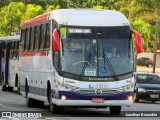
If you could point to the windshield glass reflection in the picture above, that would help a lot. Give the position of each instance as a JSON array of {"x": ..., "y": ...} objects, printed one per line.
[
  {"x": 98, "y": 55},
  {"x": 148, "y": 79}
]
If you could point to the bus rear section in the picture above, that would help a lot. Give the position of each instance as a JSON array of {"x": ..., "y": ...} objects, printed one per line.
[
  {"x": 9, "y": 49},
  {"x": 76, "y": 68}
]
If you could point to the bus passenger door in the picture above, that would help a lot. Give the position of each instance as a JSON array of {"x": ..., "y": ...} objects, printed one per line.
[{"x": 7, "y": 63}]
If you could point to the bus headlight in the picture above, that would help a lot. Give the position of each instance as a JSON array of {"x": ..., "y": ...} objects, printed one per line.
[
  {"x": 127, "y": 87},
  {"x": 130, "y": 98},
  {"x": 63, "y": 97}
]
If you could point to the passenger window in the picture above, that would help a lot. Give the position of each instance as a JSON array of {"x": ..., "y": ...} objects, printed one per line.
[
  {"x": 11, "y": 50},
  {"x": 47, "y": 40},
  {"x": 22, "y": 40},
  {"x": 27, "y": 40},
  {"x": 42, "y": 37},
  {"x": 32, "y": 38},
  {"x": 37, "y": 36}
]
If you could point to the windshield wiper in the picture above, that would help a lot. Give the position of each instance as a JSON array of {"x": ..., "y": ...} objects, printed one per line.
[
  {"x": 86, "y": 63},
  {"x": 106, "y": 61}
]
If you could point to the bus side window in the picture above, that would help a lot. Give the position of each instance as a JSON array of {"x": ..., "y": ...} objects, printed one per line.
[
  {"x": 15, "y": 54},
  {"x": 37, "y": 36},
  {"x": 11, "y": 49},
  {"x": 42, "y": 37},
  {"x": 47, "y": 40},
  {"x": 32, "y": 38},
  {"x": 22, "y": 40},
  {"x": 27, "y": 40},
  {"x": 14, "y": 50},
  {"x": 17, "y": 50},
  {"x": 4, "y": 50}
]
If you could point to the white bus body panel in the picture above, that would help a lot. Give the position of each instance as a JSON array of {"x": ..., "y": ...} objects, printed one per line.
[
  {"x": 37, "y": 70},
  {"x": 14, "y": 69},
  {"x": 89, "y": 17}
]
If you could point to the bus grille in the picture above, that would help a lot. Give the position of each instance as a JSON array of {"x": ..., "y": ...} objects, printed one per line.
[{"x": 104, "y": 91}]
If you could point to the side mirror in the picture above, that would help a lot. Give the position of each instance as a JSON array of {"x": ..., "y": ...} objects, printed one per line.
[
  {"x": 138, "y": 41},
  {"x": 55, "y": 40}
]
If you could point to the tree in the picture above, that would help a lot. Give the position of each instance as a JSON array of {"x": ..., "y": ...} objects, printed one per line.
[
  {"x": 146, "y": 31},
  {"x": 31, "y": 11},
  {"x": 10, "y": 17},
  {"x": 52, "y": 7}
]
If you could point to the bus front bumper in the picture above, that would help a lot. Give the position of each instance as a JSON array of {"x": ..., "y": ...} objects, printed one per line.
[{"x": 89, "y": 103}]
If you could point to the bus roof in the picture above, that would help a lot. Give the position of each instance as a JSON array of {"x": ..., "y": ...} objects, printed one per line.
[
  {"x": 10, "y": 38},
  {"x": 88, "y": 17},
  {"x": 81, "y": 17}
]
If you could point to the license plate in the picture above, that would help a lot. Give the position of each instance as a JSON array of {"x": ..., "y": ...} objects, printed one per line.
[
  {"x": 98, "y": 100},
  {"x": 154, "y": 96}
]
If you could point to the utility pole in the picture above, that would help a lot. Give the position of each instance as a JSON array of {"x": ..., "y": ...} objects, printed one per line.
[{"x": 156, "y": 39}]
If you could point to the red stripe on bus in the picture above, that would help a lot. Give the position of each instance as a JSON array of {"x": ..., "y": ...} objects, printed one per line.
[
  {"x": 27, "y": 54},
  {"x": 38, "y": 19}
]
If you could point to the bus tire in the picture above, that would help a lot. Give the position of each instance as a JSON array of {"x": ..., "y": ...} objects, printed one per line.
[
  {"x": 39, "y": 104},
  {"x": 115, "y": 110},
  {"x": 53, "y": 107},
  {"x": 30, "y": 102},
  {"x": 10, "y": 89},
  {"x": 135, "y": 98},
  {"x": 17, "y": 84},
  {"x": 19, "y": 92},
  {"x": 4, "y": 88}
]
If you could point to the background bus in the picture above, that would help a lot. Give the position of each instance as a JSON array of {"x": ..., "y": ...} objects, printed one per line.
[
  {"x": 9, "y": 54},
  {"x": 63, "y": 60}
]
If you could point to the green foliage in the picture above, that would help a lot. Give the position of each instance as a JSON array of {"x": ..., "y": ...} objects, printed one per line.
[
  {"x": 146, "y": 31},
  {"x": 52, "y": 7},
  {"x": 31, "y": 11},
  {"x": 10, "y": 17}
]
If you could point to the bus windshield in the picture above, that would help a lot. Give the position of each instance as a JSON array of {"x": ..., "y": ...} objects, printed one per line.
[{"x": 88, "y": 51}]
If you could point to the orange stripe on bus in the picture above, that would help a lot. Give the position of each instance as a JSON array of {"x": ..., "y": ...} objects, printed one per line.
[{"x": 27, "y": 54}]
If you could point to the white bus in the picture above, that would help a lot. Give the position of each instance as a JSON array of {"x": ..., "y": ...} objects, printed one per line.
[
  {"x": 63, "y": 60},
  {"x": 9, "y": 55}
]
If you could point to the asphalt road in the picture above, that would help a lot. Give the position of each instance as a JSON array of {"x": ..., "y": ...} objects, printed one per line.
[{"x": 11, "y": 101}]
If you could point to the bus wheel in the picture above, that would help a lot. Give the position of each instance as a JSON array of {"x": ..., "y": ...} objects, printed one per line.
[
  {"x": 115, "y": 110},
  {"x": 18, "y": 87},
  {"x": 4, "y": 88},
  {"x": 135, "y": 98},
  {"x": 10, "y": 89},
  {"x": 53, "y": 107},
  {"x": 39, "y": 104},
  {"x": 30, "y": 102}
]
